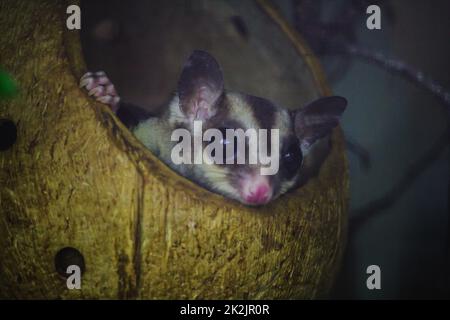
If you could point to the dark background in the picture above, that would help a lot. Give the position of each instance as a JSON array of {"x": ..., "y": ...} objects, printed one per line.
[
  {"x": 393, "y": 121},
  {"x": 397, "y": 123}
]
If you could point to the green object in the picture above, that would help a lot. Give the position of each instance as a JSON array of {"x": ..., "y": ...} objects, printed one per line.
[{"x": 8, "y": 87}]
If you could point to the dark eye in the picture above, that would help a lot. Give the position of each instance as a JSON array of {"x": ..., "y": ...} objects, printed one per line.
[
  {"x": 292, "y": 158},
  {"x": 225, "y": 142}
]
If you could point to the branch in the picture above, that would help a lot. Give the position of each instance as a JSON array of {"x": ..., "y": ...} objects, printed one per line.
[{"x": 405, "y": 70}]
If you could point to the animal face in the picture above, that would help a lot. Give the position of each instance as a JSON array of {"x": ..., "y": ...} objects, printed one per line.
[
  {"x": 244, "y": 181},
  {"x": 202, "y": 97}
]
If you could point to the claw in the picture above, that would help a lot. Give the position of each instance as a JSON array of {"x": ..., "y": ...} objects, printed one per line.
[
  {"x": 86, "y": 75},
  {"x": 102, "y": 80},
  {"x": 85, "y": 82},
  {"x": 111, "y": 101},
  {"x": 110, "y": 89},
  {"x": 96, "y": 91},
  {"x": 105, "y": 99},
  {"x": 98, "y": 85}
]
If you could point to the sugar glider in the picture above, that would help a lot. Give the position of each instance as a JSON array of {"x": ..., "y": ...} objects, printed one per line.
[{"x": 201, "y": 96}]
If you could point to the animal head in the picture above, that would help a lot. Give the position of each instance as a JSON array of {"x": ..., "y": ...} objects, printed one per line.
[{"x": 202, "y": 97}]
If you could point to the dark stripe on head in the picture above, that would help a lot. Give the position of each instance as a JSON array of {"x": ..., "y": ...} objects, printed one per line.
[
  {"x": 223, "y": 110},
  {"x": 263, "y": 110}
]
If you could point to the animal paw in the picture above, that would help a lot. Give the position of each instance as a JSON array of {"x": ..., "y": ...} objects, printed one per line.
[{"x": 98, "y": 85}]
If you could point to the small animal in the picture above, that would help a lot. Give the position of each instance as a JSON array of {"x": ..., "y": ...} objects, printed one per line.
[{"x": 201, "y": 97}]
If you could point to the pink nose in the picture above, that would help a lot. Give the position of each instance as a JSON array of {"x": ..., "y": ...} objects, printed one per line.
[{"x": 259, "y": 195}]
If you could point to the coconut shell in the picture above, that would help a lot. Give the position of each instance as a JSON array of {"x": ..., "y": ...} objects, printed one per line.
[{"x": 75, "y": 177}]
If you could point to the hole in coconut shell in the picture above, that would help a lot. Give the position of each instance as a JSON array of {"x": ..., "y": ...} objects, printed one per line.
[
  {"x": 66, "y": 257},
  {"x": 8, "y": 134}
]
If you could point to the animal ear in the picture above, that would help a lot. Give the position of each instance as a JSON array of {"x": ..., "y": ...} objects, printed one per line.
[
  {"x": 200, "y": 86},
  {"x": 317, "y": 119}
]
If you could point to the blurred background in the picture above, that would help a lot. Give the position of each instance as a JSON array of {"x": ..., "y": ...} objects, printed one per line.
[
  {"x": 396, "y": 124},
  {"x": 399, "y": 215}
]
